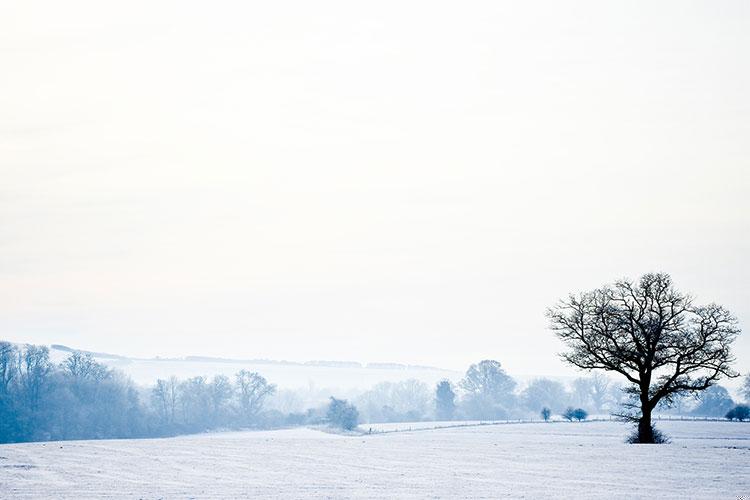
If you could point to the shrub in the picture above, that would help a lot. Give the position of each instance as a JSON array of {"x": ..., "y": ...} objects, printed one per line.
[
  {"x": 739, "y": 412},
  {"x": 571, "y": 414},
  {"x": 546, "y": 413},
  {"x": 659, "y": 437},
  {"x": 342, "y": 414},
  {"x": 568, "y": 413}
]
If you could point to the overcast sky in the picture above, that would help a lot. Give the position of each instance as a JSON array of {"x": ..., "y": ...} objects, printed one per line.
[{"x": 386, "y": 181}]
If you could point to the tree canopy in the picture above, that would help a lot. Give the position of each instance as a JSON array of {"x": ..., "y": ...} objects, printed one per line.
[{"x": 651, "y": 334}]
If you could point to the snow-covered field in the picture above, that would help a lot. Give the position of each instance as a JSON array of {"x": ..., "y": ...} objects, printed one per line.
[{"x": 559, "y": 460}]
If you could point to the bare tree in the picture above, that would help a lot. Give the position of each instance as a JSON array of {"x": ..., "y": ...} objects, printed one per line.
[
  {"x": 745, "y": 389},
  {"x": 544, "y": 393},
  {"x": 652, "y": 335},
  {"x": 82, "y": 366},
  {"x": 591, "y": 391},
  {"x": 252, "y": 391},
  {"x": 489, "y": 390},
  {"x": 8, "y": 355},
  {"x": 581, "y": 392},
  {"x": 220, "y": 391},
  {"x": 34, "y": 368},
  {"x": 164, "y": 397},
  {"x": 599, "y": 390}
]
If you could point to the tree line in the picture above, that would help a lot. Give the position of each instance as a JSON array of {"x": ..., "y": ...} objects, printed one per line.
[{"x": 81, "y": 398}]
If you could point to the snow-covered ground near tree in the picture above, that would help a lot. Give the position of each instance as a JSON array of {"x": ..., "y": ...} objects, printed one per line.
[{"x": 557, "y": 460}]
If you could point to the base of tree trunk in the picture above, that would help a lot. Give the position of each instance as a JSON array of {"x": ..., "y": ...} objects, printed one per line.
[{"x": 652, "y": 435}]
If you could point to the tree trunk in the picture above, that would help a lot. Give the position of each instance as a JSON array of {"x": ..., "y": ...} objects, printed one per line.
[{"x": 645, "y": 431}]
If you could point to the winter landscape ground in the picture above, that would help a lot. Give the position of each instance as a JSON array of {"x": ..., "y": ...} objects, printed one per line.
[{"x": 708, "y": 460}]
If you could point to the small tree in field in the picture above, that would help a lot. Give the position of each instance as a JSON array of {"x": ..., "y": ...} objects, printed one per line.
[
  {"x": 445, "y": 401},
  {"x": 546, "y": 413},
  {"x": 580, "y": 414},
  {"x": 342, "y": 414},
  {"x": 652, "y": 335}
]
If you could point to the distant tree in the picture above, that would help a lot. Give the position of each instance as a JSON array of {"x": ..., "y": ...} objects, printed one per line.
[
  {"x": 252, "y": 390},
  {"x": 9, "y": 427},
  {"x": 739, "y": 412},
  {"x": 599, "y": 386},
  {"x": 85, "y": 376},
  {"x": 591, "y": 391},
  {"x": 406, "y": 400},
  {"x": 164, "y": 399},
  {"x": 581, "y": 391},
  {"x": 652, "y": 335},
  {"x": 342, "y": 414},
  {"x": 679, "y": 404},
  {"x": 220, "y": 395},
  {"x": 82, "y": 366},
  {"x": 489, "y": 390},
  {"x": 543, "y": 392},
  {"x": 34, "y": 374},
  {"x": 745, "y": 389},
  {"x": 546, "y": 413},
  {"x": 412, "y": 399},
  {"x": 445, "y": 401},
  {"x": 8, "y": 358},
  {"x": 714, "y": 402},
  {"x": 195, "y": 404},
  {"x": 569, "y": 414}
]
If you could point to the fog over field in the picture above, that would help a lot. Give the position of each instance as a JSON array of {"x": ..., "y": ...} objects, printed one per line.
[{"x": 404, "y": 249}]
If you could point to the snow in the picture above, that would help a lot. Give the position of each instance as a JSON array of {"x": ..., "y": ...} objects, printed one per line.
[{"x": 537, "y": 460}]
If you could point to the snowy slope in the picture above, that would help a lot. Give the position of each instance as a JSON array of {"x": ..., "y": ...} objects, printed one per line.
[{"x": 561, "y": 460}]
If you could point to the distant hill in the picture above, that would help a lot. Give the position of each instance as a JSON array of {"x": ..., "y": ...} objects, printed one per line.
[{"x": 343, "y": 375}]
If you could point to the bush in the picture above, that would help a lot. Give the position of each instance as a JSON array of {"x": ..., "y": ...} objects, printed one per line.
[
  {"x": 546, "y": 413},
  {"x": 342, "y": 414},
  {"x": 659, "y": 437},
  {"x": 739, "y": 412},
  {"x": 571, "y": 414}
]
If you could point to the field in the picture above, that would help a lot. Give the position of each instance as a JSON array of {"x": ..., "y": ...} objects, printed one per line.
[{"x": 572, "y": 460}]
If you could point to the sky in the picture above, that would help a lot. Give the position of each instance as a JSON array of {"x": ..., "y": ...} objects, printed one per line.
[{"x": 404, "y": 181}]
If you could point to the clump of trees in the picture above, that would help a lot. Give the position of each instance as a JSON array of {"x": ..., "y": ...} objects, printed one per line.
[
  {"x": 81, "y": 398},
  {"x": 198, "y": 404},
  {"x": 342, "y": 414},
  {"x": 77, "y": 399},
  {"x": 488, "y": 391},
  {"x": 739, "y": 412},
  {"x": 651, "y": 334},
  {"x": 578, "y": 414},
  {"x": 404, "y": 401}
]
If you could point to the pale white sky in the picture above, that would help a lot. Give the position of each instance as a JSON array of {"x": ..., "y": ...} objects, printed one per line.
[{"x": 393, "y": 181}]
